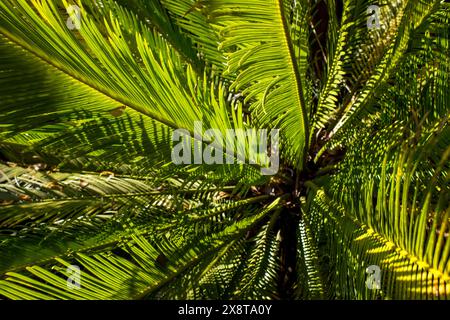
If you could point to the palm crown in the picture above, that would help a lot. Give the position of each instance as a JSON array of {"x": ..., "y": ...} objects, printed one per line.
[{"x": 89, "y": 103}]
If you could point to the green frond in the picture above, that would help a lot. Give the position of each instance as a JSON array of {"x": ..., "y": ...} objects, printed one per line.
[
  {"x": 90, "y": 107},
  {"x": 263, "y": 56},
  {"x": 310, "y": 285},
  {"x": 189, "y": 16},
  {"x": 153, "y": 13},
  {"x": 395, "y": 201},
  {"x": 326, "y": 107},
  {"x": 153, "y": 263},
  {"x": 106, "y": 62},
  {"x": 396, "y": 51}
]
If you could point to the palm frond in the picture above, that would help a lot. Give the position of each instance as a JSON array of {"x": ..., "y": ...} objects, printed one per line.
[{"x": 251, "y": 51}]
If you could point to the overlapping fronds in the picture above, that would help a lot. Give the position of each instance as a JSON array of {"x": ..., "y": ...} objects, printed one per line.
[
  {"x": 268, "y": 75},
  {"x": 390, "y": 208},
  {"x": 92, "y": 92},
  {"x": 138, "y": 266}
]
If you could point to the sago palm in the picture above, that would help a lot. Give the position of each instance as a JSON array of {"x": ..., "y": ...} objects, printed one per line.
[{"x": 92, "y": 91}]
